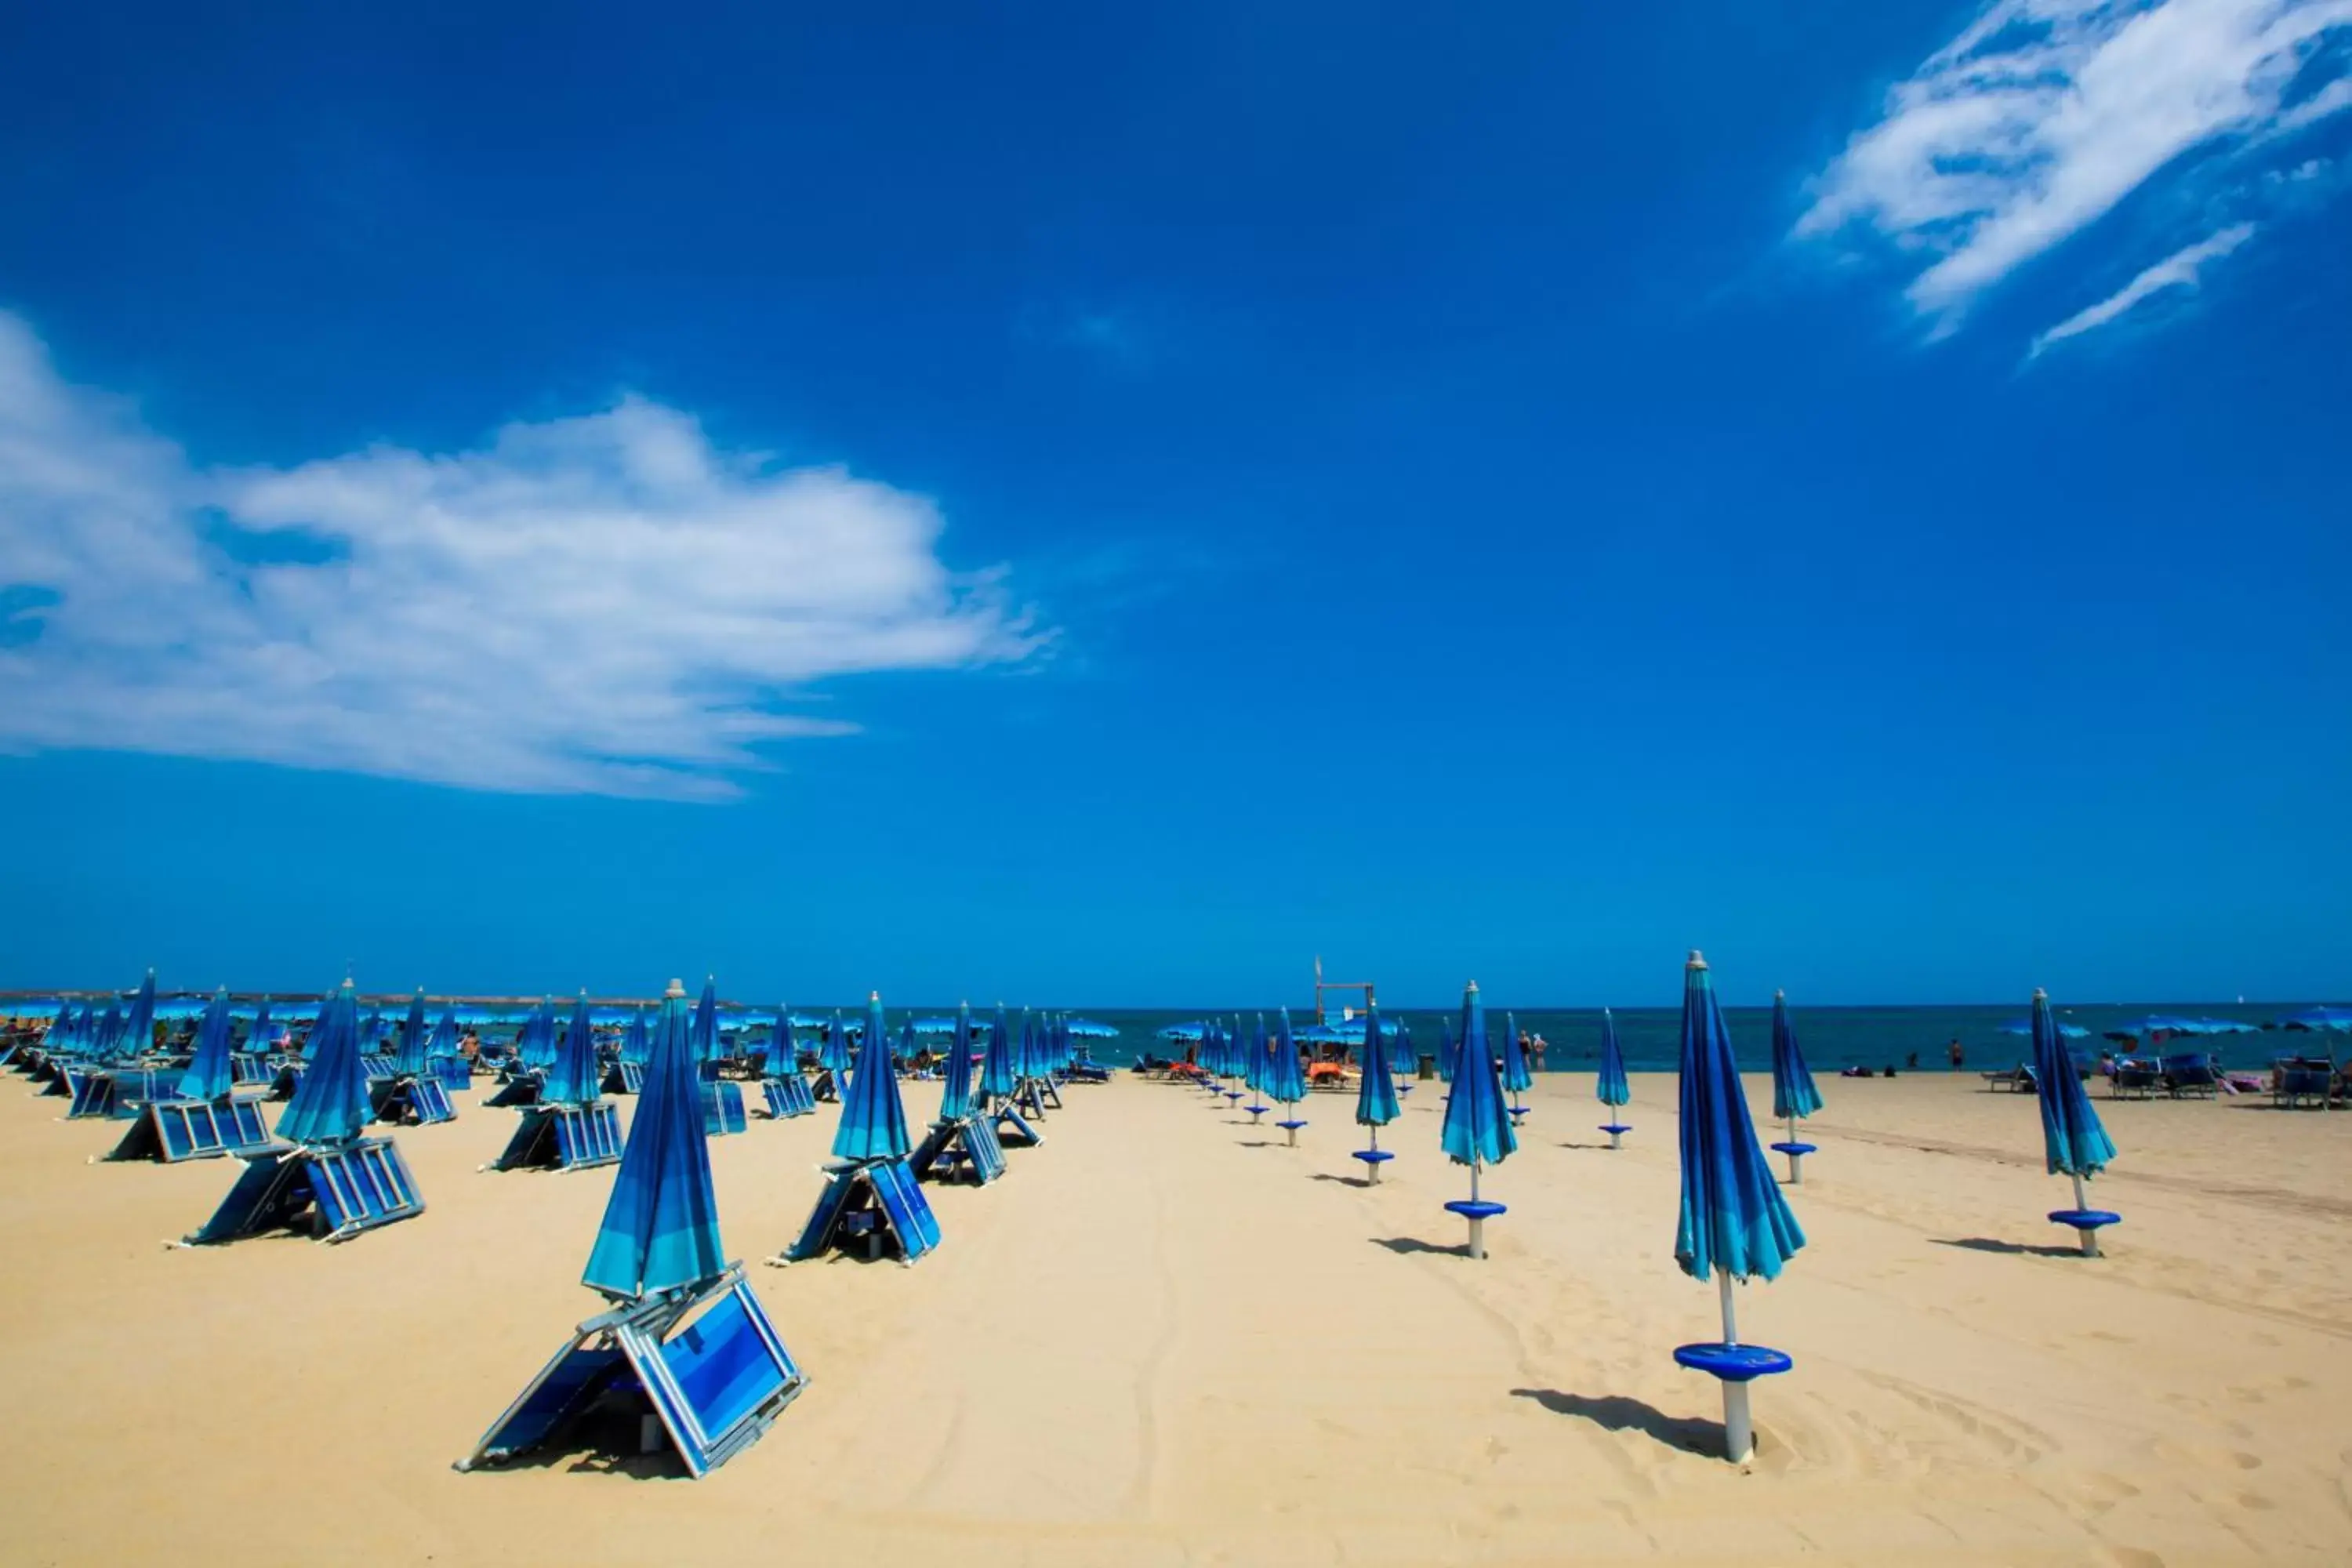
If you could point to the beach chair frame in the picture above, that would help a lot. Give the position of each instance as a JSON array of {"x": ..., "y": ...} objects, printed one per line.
[
  {"x": 171, "y": 1130},
  {"x": 564, "y": 1138},
  {"x": 722, "y": 1108},
  {"x": 964, "y": 1147},
  {"x": 411, "y": 1102},
  {"x": 624, "y": 1077},
  {"x": 337, "y": 1192},
  {"x": 872, "y": 1202}
]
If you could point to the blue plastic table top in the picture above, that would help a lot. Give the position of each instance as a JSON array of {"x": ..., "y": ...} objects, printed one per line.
[
  {"x": 1733, "y": 1363},
  {"x": 1475, "y": 1208},
  {"x": 1793, "y": 1148},
  {"x": 1290, "y": 1126},
  {"x": 1616, "y": 1127},
  {"x": 2085, "y": 1219},
  {"x": 1373, "y": 1156}
]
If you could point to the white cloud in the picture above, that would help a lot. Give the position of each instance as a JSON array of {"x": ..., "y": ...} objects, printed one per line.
[
  {"x": 606, "y": 604},
  {"x": 2178, "y": 270},
  {"x": 2044, "y": 114}
]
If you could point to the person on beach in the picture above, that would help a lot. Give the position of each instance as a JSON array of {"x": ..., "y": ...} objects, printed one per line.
[
  {"x": 1959, "y": 1057},
  {"x": 1536, "y": 1047}
]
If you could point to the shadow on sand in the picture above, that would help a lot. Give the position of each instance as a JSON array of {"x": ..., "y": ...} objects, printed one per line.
[
  {"x": 1407, "y": 1243},
  {"x": 2012, "y": 1248},
  {"x": 1616, "y": 1413}
]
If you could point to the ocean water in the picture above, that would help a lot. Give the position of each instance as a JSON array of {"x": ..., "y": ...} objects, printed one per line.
[{"x": 1832, "y": 1038}]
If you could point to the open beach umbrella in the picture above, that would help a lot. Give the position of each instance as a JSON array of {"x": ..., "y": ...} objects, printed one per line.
[
  {"x": 1285, "y": 1082},
  {"x": 574, "y": 1078},
  {"x": 873, "y": 1121},
  {"x": 638, "y": 1043},
  {"x": 208, "y": 1077},
  {"x": 1793, "y": 1094},
  {"x": 331, "y": 1099},
  {"x": 410, "y": 1062},
  {"x": 660, "y": 1230},
  {"x": 1089, "y": 1030},
  {"x": 2070, "y": 1031},
  {"x": 1734, "y": 1224},
  {"x": 784, "y": 1057},
  {"x": 1516, "y": 1076},
  {"x": 2073, "y": 1142},
  {"x": 955, "y": 1072},
  {"x": 1476, "y": 1131},
  {"x": 705, "y": 1033},
  {"x": 1376, "y": 1100},
  {"x": 1611, "y": 1089},
  {"x": 997, "y": 1078},
  {"x": 2315, "y": 1019}
]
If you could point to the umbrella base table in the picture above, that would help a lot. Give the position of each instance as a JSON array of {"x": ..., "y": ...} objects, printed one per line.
[
  {"x": 1734, "y": 1366},
  {"x": 1616, "y": 1130},
  {"x": 1290, "y": 1130},
  {"x": 1477, "y": 1211},
  {"x": 2087, "y": 1224},
  {"x": 1796, "y": 1152},
  {"x": 1373, "y": 1159}
]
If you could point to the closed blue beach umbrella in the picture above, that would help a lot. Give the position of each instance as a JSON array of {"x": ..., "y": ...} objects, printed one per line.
[
  {"x": 706, "y": 1027},
  {"x": 1613, "y": 1090},
  {"x": 1403, "y": 1061},
  {"x": 998, "y": 1077},
  {"x": 784, "y": 1057},
  {"x": 137, "y": 1036},
  {"x": 574, "y": 1078},
  {"x": 536, "y": 1048},
  {"x": 265, "y": 1030},
  {"x": 1477, "y": 1132},
  {"x": 1448, "y": 1050},
  {"x": 955, "y": 1073},
  {"x": 1285, "y": 1082},
  {"x": 637, "y": 1042},
  {"x": 208, "y": 1077},
  {"x": 1734, "y": 1224},
  {"x": 1254, "y": 1075},
  {"x": 1376, "y": 1098},
  {"x": 2073, "y": 1142},
  {"x": 873, "y": 1121},
  {"x": 330, "y": 1100},
  {"x": 410, "y": 1061},
  {"x": 834, "y": 1055},
  {"x": 1793, "y": 1094},
  {"x": 1516, "y": 1076},
  {"x": 661, "y": 1225}
]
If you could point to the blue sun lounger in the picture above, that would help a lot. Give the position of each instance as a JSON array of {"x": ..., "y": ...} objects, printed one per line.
[
  {"x": 966, "y": 1147},
  {"x": 624, "y": 1077},
  {"x": 722, "y": 1108},
  {"x": 171, "y": 1130},
  {"x": 868, "y": 1205},
  {"x": 411, "y": 1101},
  {"x": 335, "y": 1192},
  {"x": 1011, "y": 1127},
  {"x": 788, "y": 1097},
  {"x": 562, "y": 1137},
  {"x": 520, "y": 1088},
  {"x": 704, "y": 1361}
]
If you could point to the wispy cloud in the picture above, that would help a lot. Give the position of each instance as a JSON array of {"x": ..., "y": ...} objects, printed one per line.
[
  {"x": 2044, "y": 115},
  {"x": 608, "y": 604},
  {"x": 2178, "y": 270}
]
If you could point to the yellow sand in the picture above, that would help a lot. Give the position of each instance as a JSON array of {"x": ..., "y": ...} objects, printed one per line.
[{"x": 1164, "y": 1338}]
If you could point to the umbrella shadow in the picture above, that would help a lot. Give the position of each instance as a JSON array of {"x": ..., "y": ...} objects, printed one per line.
[
  {"x": 2009, "y": 1248},
  {"x": 1343, "y": 1181},
  {"x": 1402, "y": 1244},
  {"x": 1603, "y": 1147},
  {"x": 1255, "y": 1143},
  {"x": 1617, "y": 1413}
]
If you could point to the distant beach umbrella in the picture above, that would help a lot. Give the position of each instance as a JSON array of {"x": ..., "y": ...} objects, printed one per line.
[
  {"x": 330, "y": 1102},
  {"x": 1285, "y": 1081},
  {"x": 1404, "y": 1061},
  {"x": 1734, "y": 1224},
  {"x": 660, "y": 1230},
  {"x": 955, "y": 1073},
  {"x": 2068, "y": 1031},
  {"x": 208, "y": 1077},
  {"x": 1793, "y": 1094},
  {"x": 832, "y": 1055},
  {"x": 265, "y": 1030},
  {"x": 1516, "y": 1076},
  {"x": 535, "y": 1048},
  {"x": 637, "y": 1042},
  {"x": 706, "y": 1027},
  {"x": 1448, "y": 1050},
  {"x": 2316, "y": 1019},
  {"x": 2073, "y": 1142},
  {"x": 1613, "y": 1090},
  {"x": 1376, "y": 1098},
  {"x": 1254, "y": 1073},
  {"x": 906, "y": 1042},
  {"x": 873, "y": 1121},
  {"x": 137, "y": 1030},
  {"x": 574, "y": 1078},
  {"x": 999, "y": 1074},
  {"x": 446, "y": 1041},
  {"x": 784, "y": 1057},
  {"x": 1089, "y": 1030},
  {"x": 410, "y": 1062},
  {"x": 1476, "y": 1131}
]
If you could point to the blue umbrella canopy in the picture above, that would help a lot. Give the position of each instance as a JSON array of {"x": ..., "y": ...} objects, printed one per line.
[
  {"x": 535, "y": 1046},
  {"x": 446, "y": 1040},
  {"x": 1182, "y": 1031},
  {"x": 1793, "y": 1093},
  {"x": 955, "y": 1072},
  {"x": 705, "y": 1023},
  {"x": 574, "y": 1078},
  {"x": 330, "y": 1100},
  {"x": 265, "y": 1028},
  {"x": 208, "y": 1076},
  {"x": 2073, "y": 1142},
  {"x": 637, "y": 1044},
  {"x": 784, "y": 1057},
  {"x": 1401, "y": 1052},
  {"x": 873, "y": 1121},
  {"x": 834, "y": 1055},
  {"x": 2025, "y": 1027},
  {"x": 1285, "y": 1082},
  {"x": 411, "y": 1060},
  {"x": 1089, "y": 1030},
  {"x": 1516, "y": 1076},
  {"x": 2317, "y": 1018},
  {"x": 137, "y": 1033},
  {"x": 661, "y": 1225},
  {"x": 1612, "y": 1090},
  {"x": 1449, "y": 1051},
  {"x": 1376, "y": 1098},
  {"x": 997, "y": 1076},
  {"x": 906, "y": 1042},
  {"x": 1260, "y": 1056},
  {"x": 1732, "y": 1216},
  {"x": 1476, "y": 1131}
]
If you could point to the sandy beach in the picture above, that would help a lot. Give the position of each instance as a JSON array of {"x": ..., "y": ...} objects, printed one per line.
[{"x": 1164, "y": 1338}]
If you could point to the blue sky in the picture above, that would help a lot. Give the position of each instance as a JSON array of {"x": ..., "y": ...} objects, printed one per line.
[{"x": 1100, "y": 505}]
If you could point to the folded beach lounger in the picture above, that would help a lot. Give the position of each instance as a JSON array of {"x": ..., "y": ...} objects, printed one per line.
[
  {"x": 520, "y": 1088},
  {"x": 335, "y": 1194},
  {"x": 704, "y": 1364},
  {"x": 1011, "y": 1127},
  {"x": 411, "y": 1101},
  {"x": 175, "y": 1130},
  {"x": 722, "y": 1108},
  {"x": 871, "y": 1206},
  {"x": 624, "y": 1077},
  {"x": 564, "y": 1138},
  {"x": 966, "y": 1148},
  {"x": 788, "y": 1097}
]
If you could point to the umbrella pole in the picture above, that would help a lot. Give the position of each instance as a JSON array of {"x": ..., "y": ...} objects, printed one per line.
[
  {"x": 1376, "y": 1149},
  {"x": 2082, "y": 1201},
  {"x": 1796, "y": 1177},
  {"x": 1478, "y": 1226},
  {"x": 1738, "y": 1429}
]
